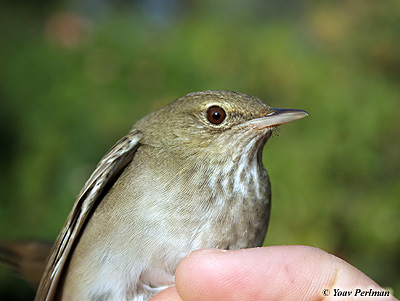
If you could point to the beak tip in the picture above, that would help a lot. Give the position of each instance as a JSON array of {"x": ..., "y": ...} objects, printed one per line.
[{"x": 305, "y": 113}]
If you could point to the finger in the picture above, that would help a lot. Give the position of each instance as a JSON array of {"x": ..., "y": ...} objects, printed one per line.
[{"x": 278, "y": 272}]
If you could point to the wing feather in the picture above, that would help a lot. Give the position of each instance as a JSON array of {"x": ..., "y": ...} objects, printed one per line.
[{"x": 110, "y": 167}]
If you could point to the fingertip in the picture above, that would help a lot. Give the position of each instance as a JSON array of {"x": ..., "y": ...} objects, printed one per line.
[
  {"x": 197, "y": 274},
  {"x": 219, "y": 274}
]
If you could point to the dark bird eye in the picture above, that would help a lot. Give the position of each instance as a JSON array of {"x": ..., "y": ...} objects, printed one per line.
[{"x": 216, "y": 115}]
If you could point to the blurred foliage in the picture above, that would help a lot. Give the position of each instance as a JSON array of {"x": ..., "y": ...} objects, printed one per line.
[{"x": 75, "y": 76}]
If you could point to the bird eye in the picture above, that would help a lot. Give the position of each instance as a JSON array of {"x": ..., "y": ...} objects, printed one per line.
[{"x": 216, "y": 115}]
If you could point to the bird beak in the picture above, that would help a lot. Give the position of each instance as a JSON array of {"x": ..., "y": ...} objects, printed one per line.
[{"x": 276, "y": 117}]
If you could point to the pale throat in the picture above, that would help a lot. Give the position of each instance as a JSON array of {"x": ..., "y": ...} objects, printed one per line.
[{"x": 242, "y": 172}]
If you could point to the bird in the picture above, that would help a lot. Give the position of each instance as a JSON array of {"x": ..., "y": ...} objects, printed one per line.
[{"x": 186, "y": 177}]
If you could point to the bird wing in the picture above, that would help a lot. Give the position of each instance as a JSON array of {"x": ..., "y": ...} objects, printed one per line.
[{"x": 104, "y": 176}]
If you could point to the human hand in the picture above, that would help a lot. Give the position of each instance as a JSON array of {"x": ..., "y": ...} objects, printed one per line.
[{"x": 269, "y": 273}]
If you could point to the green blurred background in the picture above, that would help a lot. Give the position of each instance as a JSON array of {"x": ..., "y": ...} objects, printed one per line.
[{"x": 76, "y": 75}]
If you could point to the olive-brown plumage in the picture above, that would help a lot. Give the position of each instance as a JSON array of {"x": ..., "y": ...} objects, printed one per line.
[{"x": 187, "y": 176}]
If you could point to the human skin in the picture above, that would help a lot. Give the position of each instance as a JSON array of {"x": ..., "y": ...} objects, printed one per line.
[{"x": 267, "y": 273}]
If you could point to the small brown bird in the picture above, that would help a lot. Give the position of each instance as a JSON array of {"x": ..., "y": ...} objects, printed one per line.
[{"x": 188, "y": 176}]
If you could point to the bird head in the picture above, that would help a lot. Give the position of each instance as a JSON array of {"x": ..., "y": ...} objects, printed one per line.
[{"x": 214, "y": 125}]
